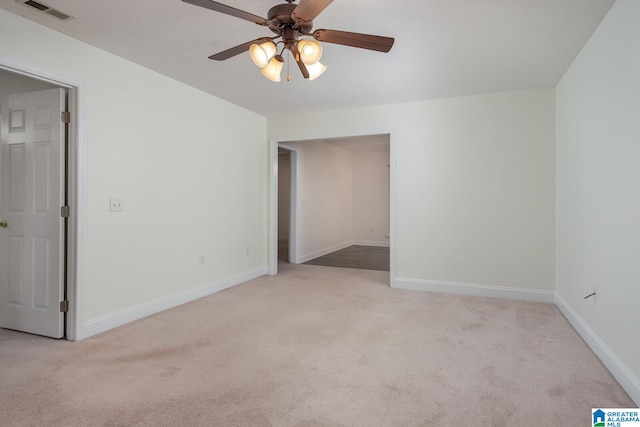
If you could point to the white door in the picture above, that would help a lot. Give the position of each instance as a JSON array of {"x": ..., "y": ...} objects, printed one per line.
[{"x": 31, "y": 227}]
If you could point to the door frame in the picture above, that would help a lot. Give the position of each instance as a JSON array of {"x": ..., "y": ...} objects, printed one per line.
[
  {"x": 293, "y": 203},
  {"x": 273, "y": 196},
  {"x": 75, "y": 191}
]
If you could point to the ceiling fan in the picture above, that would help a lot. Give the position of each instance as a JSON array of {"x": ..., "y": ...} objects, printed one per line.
[{"x": 289, "y": 22}]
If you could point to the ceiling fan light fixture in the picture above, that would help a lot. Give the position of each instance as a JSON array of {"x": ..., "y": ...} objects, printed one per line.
[
  {"x": 310, "y": 51},
  {"x": 290, "y": 21},
  {"x": 261, "y": 54},
  {"x": 273, "y": 69},
  {"x": 315, "y": 70}
]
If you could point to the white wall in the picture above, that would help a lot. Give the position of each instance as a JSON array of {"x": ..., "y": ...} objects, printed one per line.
[
  {"x": 325, "y": 203},
  {"x": 598, "y": 191},
  {"x": 474, "y": 186},
  {"x": 371, "y": 197},
  {"x": 190, "y": 167}
]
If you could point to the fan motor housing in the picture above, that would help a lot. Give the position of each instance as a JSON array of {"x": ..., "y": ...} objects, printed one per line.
[{"x": 280, "y": 17}]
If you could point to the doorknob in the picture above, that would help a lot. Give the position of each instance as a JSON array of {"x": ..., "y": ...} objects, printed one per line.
[{"x": 3, "y": 223}]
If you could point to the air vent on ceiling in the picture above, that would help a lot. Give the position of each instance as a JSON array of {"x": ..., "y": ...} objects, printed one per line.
[{"x": 46, "y": 9}]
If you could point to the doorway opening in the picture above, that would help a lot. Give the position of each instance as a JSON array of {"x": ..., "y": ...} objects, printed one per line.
[
  {"x": 284, "y": 205},
  {"x": 340, "y": 195},
  {"x": 38, "y": 186}
]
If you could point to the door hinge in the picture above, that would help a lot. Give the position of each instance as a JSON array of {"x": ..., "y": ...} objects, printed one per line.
[
  {"x": 65, "y": 117},
  {"x": 65, "y": 211},
  {"x": 64, "y": 306}
]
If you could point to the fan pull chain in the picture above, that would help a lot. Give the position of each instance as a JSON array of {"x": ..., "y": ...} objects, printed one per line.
[{"x": 288, "y": 62}]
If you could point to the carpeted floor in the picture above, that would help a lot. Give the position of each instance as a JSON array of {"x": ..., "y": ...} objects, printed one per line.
[{"x": 314, "y": 346}]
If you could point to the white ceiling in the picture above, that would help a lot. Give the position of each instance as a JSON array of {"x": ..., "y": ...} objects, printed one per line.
[{"x": 443, "y": 48}]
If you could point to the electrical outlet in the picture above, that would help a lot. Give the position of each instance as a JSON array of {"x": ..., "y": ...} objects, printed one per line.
[
  {"x": 370, "y": 229},
  {"x": 201, "y": 259},
  {"x": 116, "y": 205},
  {"x": 246, "y": 250}
]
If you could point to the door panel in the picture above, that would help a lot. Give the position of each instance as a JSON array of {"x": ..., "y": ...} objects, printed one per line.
[
  {"x": 42, "y": 175},
  {"x": 31, "y": 193},
  {"x": 16, "y": 178},
  {"x": 16, "y": 269},
  {"x": 41, "y": 272}
]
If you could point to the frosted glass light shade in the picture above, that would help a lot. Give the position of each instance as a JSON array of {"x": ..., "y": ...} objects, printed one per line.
[
  {"x": 310, "y": 51},
  {"x": 273, "y": 69},
  {"x": 261, "y": 54},
  {"x": 315, "y": 70}
]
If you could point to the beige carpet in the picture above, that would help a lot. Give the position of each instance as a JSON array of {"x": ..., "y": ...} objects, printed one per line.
[{"x": 314, "y": 346}]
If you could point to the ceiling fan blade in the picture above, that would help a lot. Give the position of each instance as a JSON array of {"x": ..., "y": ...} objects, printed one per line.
[
  {"x": 228, "y": 10},
  {"x": 307, "y": 10},
  {"x": 229, "y": 53},
  {"x": 303, "y": 68},
  {"x": 363, "y": 41}
]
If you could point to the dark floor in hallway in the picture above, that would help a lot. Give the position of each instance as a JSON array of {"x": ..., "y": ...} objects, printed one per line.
[{"x": 356, "y": 256}]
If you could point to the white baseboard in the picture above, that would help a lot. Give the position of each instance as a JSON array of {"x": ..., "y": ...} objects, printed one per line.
[
  {"x": 321, "y": 252},
  {"x": 629, "y": 382},
  {"x": 380, "y": 243},
  {"x": 470, "y": 289},
  {"x": 122, "y": 317}
]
